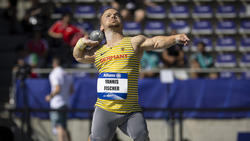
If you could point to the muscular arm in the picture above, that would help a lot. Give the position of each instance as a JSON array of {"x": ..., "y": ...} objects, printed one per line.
[
  {"x": 157, "y": 42},
  {"x": 85, "y": 55}
]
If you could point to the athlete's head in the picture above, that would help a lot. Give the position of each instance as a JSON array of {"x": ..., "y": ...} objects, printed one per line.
[
  {"x": 111, "y": 19},
  {"x": 66, "y": 17},
  {"x": 56, "y": 61}
]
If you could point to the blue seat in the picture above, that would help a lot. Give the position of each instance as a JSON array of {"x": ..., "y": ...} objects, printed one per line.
[
  {"x": 243, "y": 12},
  {"x": 226, "y": 44},
  {"x": 245, "y": 60},
  {"x": 244, "y": 44},
  {"x": 206, "y": 40},
  {"x": 227, "y": 74},
  {"x": 225, "y": 60},
  {"x": 155, "y": 28},
  {"x": 225, "y": 27},
  {"x": 202, "y": 27},
  {"x": 202, "y": 11},
  {"x": 131, "y": 28},
  {"x": 178, "y": 11},
  {"x": 244, "y": 27},
  {"x": 156, "y": 12},
  {"x": 58, "y": 11},
  {"x": 243, "y": 136},
  {"x": 245, "y": 75},
  {"x": 102, "y": 9},
  {"x": 87, "y": 26},
  {"x": 226, "y": 11},
  {"x": 85, "y": 12},
  {"x": 181, "y": 26}
]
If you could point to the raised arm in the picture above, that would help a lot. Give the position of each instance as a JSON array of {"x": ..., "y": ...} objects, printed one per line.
[
  {"x": 83, "y": 54},
  {"x": 141, "y": 42}
]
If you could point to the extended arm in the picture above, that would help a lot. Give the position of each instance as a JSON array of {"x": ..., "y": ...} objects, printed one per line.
[
  {"x": 158, "y": 42},
  {"x": 82, "y": 54}
]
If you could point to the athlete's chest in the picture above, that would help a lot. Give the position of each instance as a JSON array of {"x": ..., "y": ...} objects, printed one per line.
[{"x": 117, "y": 54}]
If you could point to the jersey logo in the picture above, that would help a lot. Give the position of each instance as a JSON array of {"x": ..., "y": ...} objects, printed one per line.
[{"x": 109, "y": 58}]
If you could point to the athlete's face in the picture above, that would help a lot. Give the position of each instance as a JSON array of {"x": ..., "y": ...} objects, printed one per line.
[{"x": 111, "y": 19}]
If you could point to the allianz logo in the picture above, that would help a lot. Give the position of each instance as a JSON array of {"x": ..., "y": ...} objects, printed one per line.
[{"x": 108, "y": 75}]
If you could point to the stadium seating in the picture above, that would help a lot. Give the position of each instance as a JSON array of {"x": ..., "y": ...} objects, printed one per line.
[
  {"x": 154, "y": 28},
  {"x": 227, "y": 74},
  {"x": 181, "y": 26},
  {"x": 226, "y": 44},
  {"x": 102, "y": 9},
  {"x": 225, "y": 60},
  {"x": 156, "y": 12},
  {"x": 245, "y": 75},
  {"x": 244, "y": 11},
  {"x": 58, "y": 11},
  {"x": 245, "y": 60},
  {"x": 244, "y": 44},
  {"x": 85, "y": 12},
  {"x": 206, "y": 40},
  {"x": 226, "y": 27},
  {"x": 131, "y": 28},
  {"x": 178, "y": 11},
  {"x": 244, "y": 27},
  {"x": 226, "y": 11},
  {"x": 202, "y": 27},
  {"x": 202, "y": 11},
  {"x": 87, "y": 26}
]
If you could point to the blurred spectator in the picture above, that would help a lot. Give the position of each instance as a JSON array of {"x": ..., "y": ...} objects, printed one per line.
[
  {"x": 38, "y": 46},
  {"x": 36, "y": 17},
  {"x": 150, "y": 60},
  {"x": 174, "y": 56},
  {"x": 63, "y": 29},
  {"x": 132, "y": 9},
  {"x": 201, "y": 59},
  {"x": 61, "y": 88},
  {"x": 23, "y": 70},
  {"x": 10, "y": 15}
]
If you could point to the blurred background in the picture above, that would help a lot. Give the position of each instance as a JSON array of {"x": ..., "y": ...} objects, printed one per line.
[{"x": 198, "y": 92}]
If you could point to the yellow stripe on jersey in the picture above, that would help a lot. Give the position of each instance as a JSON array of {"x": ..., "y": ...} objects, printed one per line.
[{"x": 120, "y": 59}]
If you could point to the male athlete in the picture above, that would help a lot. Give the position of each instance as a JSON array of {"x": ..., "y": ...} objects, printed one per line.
[{"x": 117, "y": 86}]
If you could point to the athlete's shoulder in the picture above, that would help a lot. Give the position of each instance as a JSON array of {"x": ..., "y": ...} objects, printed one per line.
[{"x": 138, "y": 39}]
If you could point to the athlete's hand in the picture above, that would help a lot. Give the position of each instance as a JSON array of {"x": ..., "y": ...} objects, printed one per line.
[
  {"x": 48, "y": 98},
  {"x": 182, "y": 39},
  {"x": 82, "y": 43}
]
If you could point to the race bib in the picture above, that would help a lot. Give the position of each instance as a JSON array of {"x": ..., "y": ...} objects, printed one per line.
[{"x": 112, "y": 86}]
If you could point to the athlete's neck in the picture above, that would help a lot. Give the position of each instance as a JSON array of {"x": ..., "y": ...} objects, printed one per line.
[{"x": 113, "y": 37}]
